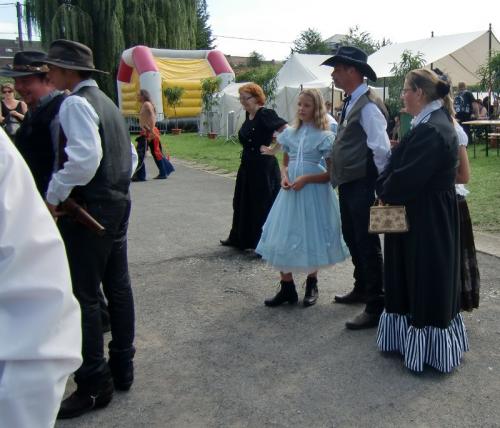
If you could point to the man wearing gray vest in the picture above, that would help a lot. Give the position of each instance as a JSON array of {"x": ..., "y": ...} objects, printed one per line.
[
  {"x": 96, "y": 161},
  {"x": 360, "y": 153}
]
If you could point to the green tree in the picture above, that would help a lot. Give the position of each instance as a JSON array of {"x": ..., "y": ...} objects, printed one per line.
[
  {"x": 174, "y": 98},
  {"x": 255, "y": 59},
  {"x": 310, "y": 42},
  {"x": 266, "y": 76},
  {"x": 209, "y": 88},
  {"x": 204, "y": 39},
  {"x": 409, "y": 61},
  {"x": 363, "y": 40},
  {"x": 491, "y": 67},
  {"x": 110, "y": 26}
]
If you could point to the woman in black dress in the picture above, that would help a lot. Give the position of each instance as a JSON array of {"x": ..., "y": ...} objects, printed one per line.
[
  {"x": 258, "y": 180},
  {"x": 422, "y": 318},
  {"x": 13, "y": 111}
]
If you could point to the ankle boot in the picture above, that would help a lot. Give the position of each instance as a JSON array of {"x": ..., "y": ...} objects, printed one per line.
[
  {"x": 287, "y": 293},
  {"x": 121, "y": 364},
  {"x": 311, "y": 294},
  {"x": 87, "y": 397}
]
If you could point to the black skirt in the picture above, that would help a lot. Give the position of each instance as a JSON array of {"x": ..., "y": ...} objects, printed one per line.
[
  {"x": 257, "y": 185},
  {"x": 469, "y": 271}
]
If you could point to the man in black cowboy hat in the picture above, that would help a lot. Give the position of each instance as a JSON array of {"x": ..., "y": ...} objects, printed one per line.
[
  {"x": 38, "y": 135},
  {"x": 360, "y": 153},
  {"x": 96, "y": 164}
]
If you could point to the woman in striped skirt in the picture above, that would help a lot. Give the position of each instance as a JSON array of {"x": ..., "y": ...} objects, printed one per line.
[{"x": 422, "y": 317}]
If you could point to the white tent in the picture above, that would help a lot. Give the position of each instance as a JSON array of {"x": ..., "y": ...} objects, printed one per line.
[
  {"x": 299, "y": 71},
  {"x": 458, "y": 55},
  {"x": 303, "y": 71}
]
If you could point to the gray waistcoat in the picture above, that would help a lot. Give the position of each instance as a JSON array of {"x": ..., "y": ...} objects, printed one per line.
[
  {"x": 112, "y": 179},
  {"x": 351, "y": 157}
]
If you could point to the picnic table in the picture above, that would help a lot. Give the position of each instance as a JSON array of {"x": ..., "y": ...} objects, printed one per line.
[{"x": 490, "y": 136}]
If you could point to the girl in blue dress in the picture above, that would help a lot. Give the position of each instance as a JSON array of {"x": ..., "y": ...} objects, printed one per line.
[{"x": 302, "y": 232}]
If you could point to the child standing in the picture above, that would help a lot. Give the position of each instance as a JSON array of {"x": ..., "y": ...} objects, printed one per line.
[{"x": 303, "y": 232}]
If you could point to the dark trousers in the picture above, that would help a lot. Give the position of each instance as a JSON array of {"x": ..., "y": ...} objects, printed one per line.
[
  {"x": 140, "y": 172},
  {"x": 164, "y": 166},
  {"x": 355, "y": 199},
  {"x": 94, "y": 260}
]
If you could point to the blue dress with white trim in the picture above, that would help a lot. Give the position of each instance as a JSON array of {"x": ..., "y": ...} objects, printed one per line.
[{"x": 302, "y": 232}]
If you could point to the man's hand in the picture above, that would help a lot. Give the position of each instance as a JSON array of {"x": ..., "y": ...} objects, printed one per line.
[{"x": 54, "y": 210}]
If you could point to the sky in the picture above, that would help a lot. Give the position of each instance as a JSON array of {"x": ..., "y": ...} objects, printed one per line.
[{"x": 283, "y": 20}]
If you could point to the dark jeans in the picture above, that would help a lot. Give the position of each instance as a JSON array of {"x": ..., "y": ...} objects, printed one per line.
[
  {"x": 164, "y": 166},
  {"x": 94, "y": 260},
  {"x": 355, "y": 200},
  {"x": 140, "y": 172}
]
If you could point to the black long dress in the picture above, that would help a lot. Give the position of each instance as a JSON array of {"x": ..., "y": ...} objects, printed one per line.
[
  {"x": 258, "y": 180},
  {"x": 422, "y": 288}
]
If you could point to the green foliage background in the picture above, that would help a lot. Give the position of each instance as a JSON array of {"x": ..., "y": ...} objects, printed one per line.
[{"x": 110, "y": 26}]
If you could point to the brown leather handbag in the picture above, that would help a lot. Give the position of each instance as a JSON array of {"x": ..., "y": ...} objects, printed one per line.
[{"x": 388, "y": 219}]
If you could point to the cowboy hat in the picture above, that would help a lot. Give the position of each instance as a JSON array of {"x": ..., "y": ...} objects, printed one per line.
[
  {"x": 355, "y": 57},
  {"x": 26, "y": 63},
  {"x": 71, "y": 55}
]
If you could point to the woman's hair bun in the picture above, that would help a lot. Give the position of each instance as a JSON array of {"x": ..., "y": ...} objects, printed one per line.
[{"x": 443, "y": 88}]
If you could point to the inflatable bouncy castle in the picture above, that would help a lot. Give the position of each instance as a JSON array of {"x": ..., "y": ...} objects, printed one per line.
[{"x": 156, "y": 69}]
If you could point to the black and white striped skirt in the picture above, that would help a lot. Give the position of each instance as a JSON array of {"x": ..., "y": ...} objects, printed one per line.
[{"x": 441, "y": 348}]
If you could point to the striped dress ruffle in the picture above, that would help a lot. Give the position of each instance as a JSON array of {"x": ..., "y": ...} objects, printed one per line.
[{"x": 441, "y": 348}]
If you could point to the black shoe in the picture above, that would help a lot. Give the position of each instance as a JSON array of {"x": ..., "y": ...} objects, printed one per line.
[
  {"x": 160, "y": 177},
  {"x": 85, "y": 399},
  {"x": 362, "y": 321},
  {"x": 121, "y": 364},
  {"x": 135, "y": 179},
  {"x": 287, "y": 293},
  {"x": 352, "y": 297},
  {"x": 227, "y": 243},
  {"x": 311, "y": 294}
]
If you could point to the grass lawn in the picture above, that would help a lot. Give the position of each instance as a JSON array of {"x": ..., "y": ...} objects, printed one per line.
[
  {"x": 484, "y": 186},
  {"x": 191, "y": 146},
  {"x": 483, "y": 200}
]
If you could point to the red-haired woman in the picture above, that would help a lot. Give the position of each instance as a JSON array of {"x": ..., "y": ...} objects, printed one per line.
[{"x": 258, "y": 180}]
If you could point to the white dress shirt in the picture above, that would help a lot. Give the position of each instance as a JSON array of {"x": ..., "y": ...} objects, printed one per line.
[
  {"x": 80, "y": 124},
  {"x": 374, "y": 124},
  {"x": 40, "y": 325}
]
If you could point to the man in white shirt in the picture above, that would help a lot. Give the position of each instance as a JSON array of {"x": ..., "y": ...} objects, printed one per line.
[
  {"x": 40, "y": 327},
  {"x": 96, "y": 164},
  {"x": 360, "y": 153}
]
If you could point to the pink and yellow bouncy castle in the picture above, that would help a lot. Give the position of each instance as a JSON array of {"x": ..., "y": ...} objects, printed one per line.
[{"x": 156, "y": 69}]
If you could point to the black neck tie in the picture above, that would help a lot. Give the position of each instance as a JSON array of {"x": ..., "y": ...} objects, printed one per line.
[{"x": 344, "y": 108}]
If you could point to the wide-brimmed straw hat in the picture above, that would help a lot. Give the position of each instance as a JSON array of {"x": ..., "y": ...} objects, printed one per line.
[
  {"x": 26, "y": 63},
  {"x": 354, "y": 56},
  {"x": 71, "y": 55}
]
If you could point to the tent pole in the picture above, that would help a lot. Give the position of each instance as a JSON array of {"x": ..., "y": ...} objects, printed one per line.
[
  {"x": 489, "y": 69},
  {"x": 432, "y": 64}
]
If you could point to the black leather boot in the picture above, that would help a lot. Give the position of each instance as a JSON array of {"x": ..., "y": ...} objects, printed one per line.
[
  {"x": 88, "y": 396},
  {"x": 121, "y": 364},
  {"x": 287, "y": 293},
  {"x": 311, "y": 294}
]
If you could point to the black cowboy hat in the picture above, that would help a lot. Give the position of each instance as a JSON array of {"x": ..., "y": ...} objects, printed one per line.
[
  {"x": 71, "y": 55},
  {"x": 351, "y": 55},
  {"x": 26, "y": 63}
]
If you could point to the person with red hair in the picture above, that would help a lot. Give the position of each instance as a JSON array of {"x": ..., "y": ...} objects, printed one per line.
[{"x": 258, "y": 180}]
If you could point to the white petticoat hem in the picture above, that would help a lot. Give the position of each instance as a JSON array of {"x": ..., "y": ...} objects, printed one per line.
[{"x": 441, "y": 348}]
